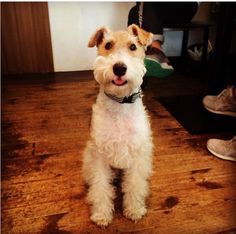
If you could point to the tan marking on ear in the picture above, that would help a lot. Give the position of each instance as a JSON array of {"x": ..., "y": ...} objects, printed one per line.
[
  {"x": 97, "y": 37},
  {"x": 144, "y": 37}
]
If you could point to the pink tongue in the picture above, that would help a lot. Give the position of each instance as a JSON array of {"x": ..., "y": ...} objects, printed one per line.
[{"x": 119, "y": 81}]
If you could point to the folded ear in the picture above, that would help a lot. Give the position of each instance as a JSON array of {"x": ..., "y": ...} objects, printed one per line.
[
  {"x": 144, "y": 37},
  {"x": 97, "y": 37}
]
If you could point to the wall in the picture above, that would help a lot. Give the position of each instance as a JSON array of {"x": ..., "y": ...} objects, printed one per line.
[{"x": 72, "y": 24}]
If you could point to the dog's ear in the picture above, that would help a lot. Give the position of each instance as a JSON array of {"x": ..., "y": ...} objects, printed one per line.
[
  {"x": 144, "y": 37},
  {"x": 97, "y": 37}
]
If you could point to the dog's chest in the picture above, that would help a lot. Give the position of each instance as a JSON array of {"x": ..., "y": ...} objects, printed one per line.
[
  {"x": 119, "y": 135},
  {"x": 121, "y": 127}
]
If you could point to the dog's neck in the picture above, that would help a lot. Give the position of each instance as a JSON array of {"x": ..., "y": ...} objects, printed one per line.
[{"x": 126, "y": 99}]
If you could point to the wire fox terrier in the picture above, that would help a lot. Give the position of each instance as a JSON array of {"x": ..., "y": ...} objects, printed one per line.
[{"x": 121, "y": 136}]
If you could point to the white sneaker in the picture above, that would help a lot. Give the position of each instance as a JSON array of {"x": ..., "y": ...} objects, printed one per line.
[
  {"x": 223, "y": 104},
  {"x": 223, "y": 149}
]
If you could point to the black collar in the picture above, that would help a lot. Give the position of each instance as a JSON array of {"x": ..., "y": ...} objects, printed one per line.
[{"x": 130, "y": 99}]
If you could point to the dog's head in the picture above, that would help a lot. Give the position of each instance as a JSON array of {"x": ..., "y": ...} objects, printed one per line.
[{"x": 119, "y": 66}]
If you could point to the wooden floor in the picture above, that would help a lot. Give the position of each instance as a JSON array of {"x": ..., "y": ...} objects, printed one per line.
[{"x": 45, "y": 125}]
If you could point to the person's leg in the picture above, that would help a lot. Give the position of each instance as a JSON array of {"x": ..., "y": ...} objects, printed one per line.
[
  {"x": 133, "y": 15},
  {"x": 151, "y": 21},
  {"x": 145, "y": 16},
  {"x": 156, "y": 62},
  {"x": 151, "y": 16},
  {"x": 157, "y": 14}
]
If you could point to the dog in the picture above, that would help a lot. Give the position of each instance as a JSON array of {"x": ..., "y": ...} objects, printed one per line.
[{"x": 120, "y": 136}]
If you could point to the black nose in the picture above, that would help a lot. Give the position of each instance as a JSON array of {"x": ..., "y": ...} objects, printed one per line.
[{"x": 119, "y": 69}]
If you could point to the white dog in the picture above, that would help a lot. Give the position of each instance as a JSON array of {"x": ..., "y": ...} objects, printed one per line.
[{"x": 120, "y": 131}]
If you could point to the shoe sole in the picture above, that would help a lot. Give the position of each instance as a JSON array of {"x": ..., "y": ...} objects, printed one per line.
[
  {"x": 228, "y": 158},
  {"x": 155, "y": 69},
  {"x": 228, "y": 113}
]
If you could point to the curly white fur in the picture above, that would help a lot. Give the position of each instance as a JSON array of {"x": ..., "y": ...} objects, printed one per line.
[{"x": 120, "y": 138}]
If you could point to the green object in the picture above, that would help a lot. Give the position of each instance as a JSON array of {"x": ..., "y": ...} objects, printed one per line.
[{"x": 155, "y": 69}]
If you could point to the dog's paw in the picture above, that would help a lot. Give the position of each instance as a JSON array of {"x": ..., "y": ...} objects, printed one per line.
[
  {"x": 101, "y": 219},
  {"x": 135, "y": 214}
]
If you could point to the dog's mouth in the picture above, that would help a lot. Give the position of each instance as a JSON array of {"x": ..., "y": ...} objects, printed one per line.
[{"x": 119, "y": 82}]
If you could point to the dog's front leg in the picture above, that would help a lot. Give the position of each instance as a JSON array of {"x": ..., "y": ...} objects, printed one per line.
[
  {"x": 135, "y": 188},
  {"x": 101, "y": 193}
]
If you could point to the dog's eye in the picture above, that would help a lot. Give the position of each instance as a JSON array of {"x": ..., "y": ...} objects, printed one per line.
[
  {"x": 108, "y": 46},
  {"x": 133, "y": 47}
]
